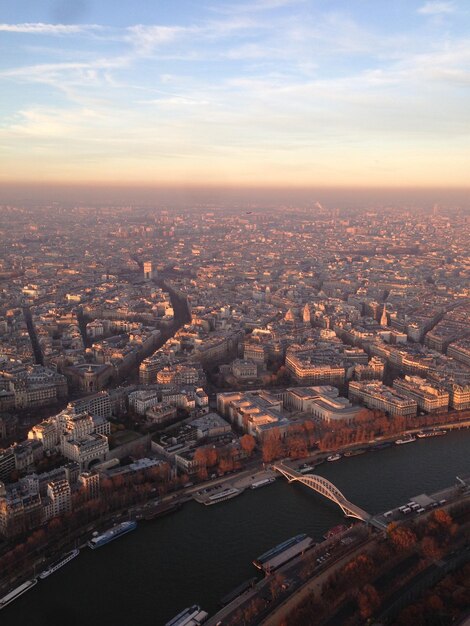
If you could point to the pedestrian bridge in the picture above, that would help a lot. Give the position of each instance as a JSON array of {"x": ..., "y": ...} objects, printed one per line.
[{"x": 328, "y": 490}]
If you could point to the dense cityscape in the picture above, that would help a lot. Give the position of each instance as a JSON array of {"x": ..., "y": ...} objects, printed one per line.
[
  {"x": 235, "y": 313},
  {"x": 154, "y": 356}
]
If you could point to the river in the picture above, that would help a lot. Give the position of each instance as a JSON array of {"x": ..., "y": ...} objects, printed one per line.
[{"x": 198, "y": 554}]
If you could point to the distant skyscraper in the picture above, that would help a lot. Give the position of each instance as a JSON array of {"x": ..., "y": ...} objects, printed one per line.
[{"x": 148, "y": 270}]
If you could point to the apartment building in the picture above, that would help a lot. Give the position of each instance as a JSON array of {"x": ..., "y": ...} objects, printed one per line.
[
  {"x": 430, "y": 398},
  {"x": 375, "y": 395}
]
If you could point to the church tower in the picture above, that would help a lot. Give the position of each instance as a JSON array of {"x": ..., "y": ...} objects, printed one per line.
[
  {"x": 306, "y": 315},
  {"x": 289, "y": 316},
  {"x": 384, "y": 318}
]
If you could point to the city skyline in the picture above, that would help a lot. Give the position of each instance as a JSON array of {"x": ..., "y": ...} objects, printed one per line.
[{"x": 275, "y": 93}]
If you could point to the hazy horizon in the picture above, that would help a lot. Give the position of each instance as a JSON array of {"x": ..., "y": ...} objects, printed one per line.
[{"x": 31, "y": 194}]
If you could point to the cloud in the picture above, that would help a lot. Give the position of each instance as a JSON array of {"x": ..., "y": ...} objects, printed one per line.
[
  {"x": 146, "y": 38},
  {"x": 237, "y": 88},
  {"x": 436, "y": 7},
  {"x": 39, "y": 28}
]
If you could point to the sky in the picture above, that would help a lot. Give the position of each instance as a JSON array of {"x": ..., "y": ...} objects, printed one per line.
[{"x": 301, "y": 93}]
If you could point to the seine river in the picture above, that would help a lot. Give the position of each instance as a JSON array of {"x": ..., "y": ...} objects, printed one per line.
[{"x": 198, "y": 554}]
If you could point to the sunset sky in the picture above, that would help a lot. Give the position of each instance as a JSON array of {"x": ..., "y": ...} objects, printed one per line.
[{"x": 267, "y": 92}]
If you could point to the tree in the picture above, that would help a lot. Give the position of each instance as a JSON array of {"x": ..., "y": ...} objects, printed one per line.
[
  {"x": 368, "y": 601},
  {"x": 411, "y": 616},
  {"x": 431, "y": 548},
  {"x": 359, "y": 570},
  {"x": 435, "y": 603},
  {"x": 364, "y": 416},
  {"x": 211, "y": 456},
  {"x": 275, "y": 585},
  {"x": 310, "y": 431},
  {"x": 248, "y": 444},
  {"x": 272, "y": 447},
  {"x": 200, "y": 457},
  {"x": 225, "y": 464},
  {"x": 403, "y": 538},
  {"x": 442, "y": 518}
]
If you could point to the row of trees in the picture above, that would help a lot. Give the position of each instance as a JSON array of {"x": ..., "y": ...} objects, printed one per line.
[
  {"x": 443, "y": 604},
  {"x": 223, "y": 459},
  {"x": 295, "y": 443},
  {"x": 301, "y": 438}
]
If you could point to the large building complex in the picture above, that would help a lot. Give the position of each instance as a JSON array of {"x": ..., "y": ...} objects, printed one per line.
[
  {"x": 323, "y": 402},
  {"x": 375, "y": 395},
  {"x": 256, "y": 412},
  {"x": 430, "y": 398}
]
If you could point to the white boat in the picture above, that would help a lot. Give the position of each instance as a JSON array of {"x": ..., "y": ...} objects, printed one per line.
[
  {"x": 406, "y": 439},
  {"x": 262, "y": 483},
  {"x": 333, "y": 457},
  {"x": 431, "y": 433},
  {"x": 226, "y": 494},
  {"x": 16, "y": 593},
  {"x": 112, "y": 534},
  {"x": 59, "y": 563}
]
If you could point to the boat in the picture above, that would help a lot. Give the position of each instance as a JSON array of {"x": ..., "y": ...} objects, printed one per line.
[
  {"x": 285, "y": 545},
  {"x": 430, "y": 433},
  {"x": 53, "y": 567},
  {"x": 336, "y": 530},
  {"x": 306, "y": 469},
  {"x": 333, "y": 457},
  {"x": 286, "y": 555},
  {"x": 226, "y": 494},
  {"x": 192, "y": 616},
  {"x": 262, "y": 483},
  {"x": 382, "y": 446},
  {"x": 161, "y": 511},
  {"x": 112, "y": 534},
  {"x": 354, "y": 452},
  {"x": 16, "y": 593},
  {"x": 406, "y": 439}
]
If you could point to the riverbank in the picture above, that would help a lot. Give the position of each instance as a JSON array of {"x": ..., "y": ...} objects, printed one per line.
[
  {"x": 199, "y": 554},
  {"x": 254, "y": 470}
]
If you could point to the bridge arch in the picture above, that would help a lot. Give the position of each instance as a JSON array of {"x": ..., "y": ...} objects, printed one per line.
[{"x": 325, "y": 488}]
